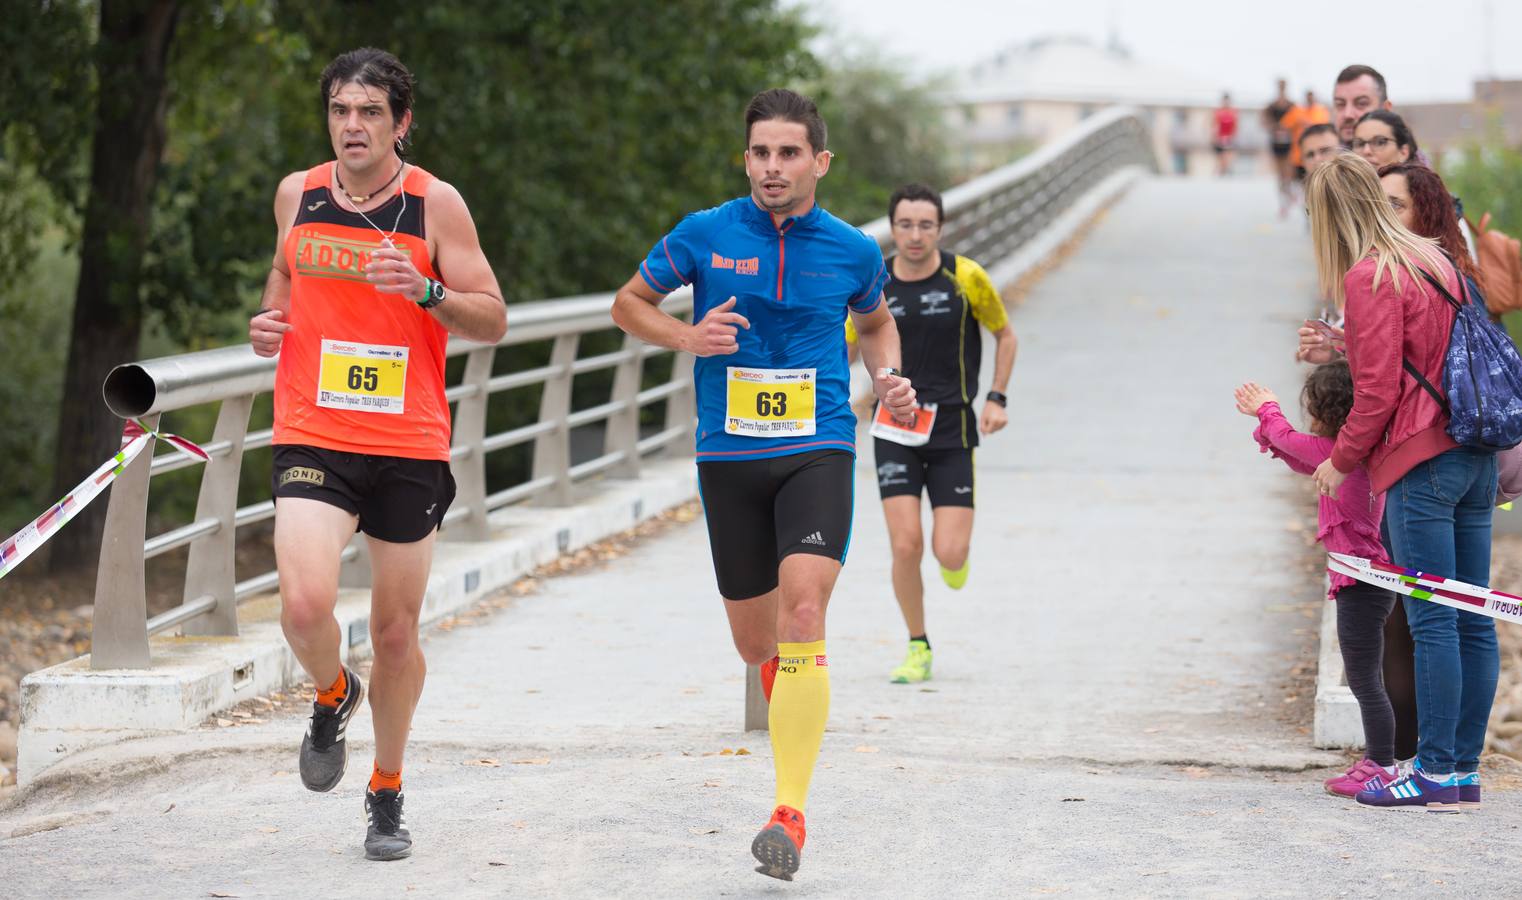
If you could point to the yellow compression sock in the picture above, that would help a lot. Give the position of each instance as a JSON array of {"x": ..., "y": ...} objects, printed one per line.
[{"x": 800, "y": 706}]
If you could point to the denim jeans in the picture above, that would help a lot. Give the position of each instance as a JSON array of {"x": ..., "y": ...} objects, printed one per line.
[{"x": 1439, "y": 521}]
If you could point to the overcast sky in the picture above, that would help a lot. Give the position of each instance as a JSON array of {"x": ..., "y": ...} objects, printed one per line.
[{"x": 1426, "y": 49}]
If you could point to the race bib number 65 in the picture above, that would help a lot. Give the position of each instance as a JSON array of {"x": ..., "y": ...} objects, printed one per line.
[
  {"x": 362, "y": 377},
  {"x": 769, "y": 402}
]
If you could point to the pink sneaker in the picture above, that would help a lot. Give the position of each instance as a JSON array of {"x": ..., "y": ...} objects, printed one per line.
[
  {"x": 1367, "y": 775},
  {"x": 1328, "y": 782}
]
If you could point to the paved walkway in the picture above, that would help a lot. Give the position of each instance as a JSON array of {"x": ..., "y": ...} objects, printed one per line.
[{"x": 1114, "y": 712}]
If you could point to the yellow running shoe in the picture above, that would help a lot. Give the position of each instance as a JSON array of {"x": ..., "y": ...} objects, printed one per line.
[
  {"x": 916, "y": 667},
  {"x": 955, "y": 580}
]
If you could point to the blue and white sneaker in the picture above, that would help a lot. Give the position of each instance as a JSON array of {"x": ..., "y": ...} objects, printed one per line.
[
  {"x": 1469, "y": 790},
  {"x": 1414, "y": 791}
]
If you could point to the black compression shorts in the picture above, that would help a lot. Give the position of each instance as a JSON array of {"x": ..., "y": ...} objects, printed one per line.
[
  {"x": 761, "y": 510},
  {"x": 946, "y": 475},
  {"x": 397, "y": 499}
]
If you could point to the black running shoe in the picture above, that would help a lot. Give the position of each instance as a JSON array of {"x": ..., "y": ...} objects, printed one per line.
[
  {"x": 324, "y": 751},
  {"x": 386, "y": 834}
]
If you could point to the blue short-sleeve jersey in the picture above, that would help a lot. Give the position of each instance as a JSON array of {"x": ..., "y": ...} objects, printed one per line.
[{"x": 794, "y": 283}]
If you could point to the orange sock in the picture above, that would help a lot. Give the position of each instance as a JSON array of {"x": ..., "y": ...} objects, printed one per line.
[
  {"x": 334, "y": 695},
  {"x": 382, "y": 781}
]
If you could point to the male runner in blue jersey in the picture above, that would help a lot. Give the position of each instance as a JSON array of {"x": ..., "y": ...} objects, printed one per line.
[{"x": 773, "y": 276}]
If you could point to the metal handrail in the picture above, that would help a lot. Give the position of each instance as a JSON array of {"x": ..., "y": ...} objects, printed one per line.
[{"x": 989, "y": 218}]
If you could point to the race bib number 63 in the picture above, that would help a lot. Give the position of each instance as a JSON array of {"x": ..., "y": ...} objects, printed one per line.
[{"x": 769, "y": 402}]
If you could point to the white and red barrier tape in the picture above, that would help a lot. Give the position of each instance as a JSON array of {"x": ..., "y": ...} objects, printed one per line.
[{"x": 135, "y": 438}]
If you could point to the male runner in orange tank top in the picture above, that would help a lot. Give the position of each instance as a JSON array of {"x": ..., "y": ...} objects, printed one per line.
[{"x": 377, "y": 263}]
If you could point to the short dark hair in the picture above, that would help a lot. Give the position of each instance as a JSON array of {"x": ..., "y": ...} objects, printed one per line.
[
  {"x": 917, "y": 191},
  {"x": 1353, "y": 73},
  {"x": 789, "y": 106},
  {"x": 1402, "y": 132},
  {"x": 371, "y": 68},
  {"x": 1319, "y": 128},
  {"x": 1328, "y": 396}
]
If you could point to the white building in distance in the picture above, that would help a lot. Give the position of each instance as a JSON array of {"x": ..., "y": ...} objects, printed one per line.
[{"x": 1031, "y": 93}]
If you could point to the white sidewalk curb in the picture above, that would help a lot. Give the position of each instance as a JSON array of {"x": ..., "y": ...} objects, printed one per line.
[{"x": 1338, "y": 723}]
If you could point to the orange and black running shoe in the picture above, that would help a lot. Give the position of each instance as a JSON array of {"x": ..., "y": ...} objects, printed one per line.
[
  {"x": 779, "y": 846},
  {"x": 768, "y": 677}
]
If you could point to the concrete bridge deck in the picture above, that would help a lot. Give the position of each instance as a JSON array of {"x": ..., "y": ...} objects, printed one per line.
[{"x": 1122, "y": 692}]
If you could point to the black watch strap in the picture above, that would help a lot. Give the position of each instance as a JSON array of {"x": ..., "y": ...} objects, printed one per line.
[
  {"x": 996, "y": 397},
  {"x": 433, "y": 295}
]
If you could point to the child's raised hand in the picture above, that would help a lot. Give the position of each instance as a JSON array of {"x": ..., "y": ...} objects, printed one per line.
[{"x": 1251, "y": 396}]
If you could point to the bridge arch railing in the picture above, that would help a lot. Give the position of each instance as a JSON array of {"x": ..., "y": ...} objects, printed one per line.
[{"x": 989, "y": 218}]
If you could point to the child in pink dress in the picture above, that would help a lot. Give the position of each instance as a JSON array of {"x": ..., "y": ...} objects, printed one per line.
[{"x": 1347, "y": 524}]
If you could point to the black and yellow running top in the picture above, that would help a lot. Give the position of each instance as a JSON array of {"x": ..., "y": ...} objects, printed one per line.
[{"x": 938, "y": 319}]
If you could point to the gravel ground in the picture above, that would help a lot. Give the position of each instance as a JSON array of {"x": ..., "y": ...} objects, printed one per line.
[{"x": 1118, "y": 708}]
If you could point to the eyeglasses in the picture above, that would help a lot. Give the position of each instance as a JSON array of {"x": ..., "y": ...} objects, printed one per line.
[{"x": 1378, "y": 143}]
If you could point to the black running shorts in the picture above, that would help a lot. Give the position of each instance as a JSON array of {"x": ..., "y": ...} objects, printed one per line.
[
  {"x": 397, "y": 500},
  {"x": 761, "y": 510},
  {"x": 1280, "y": 150},
  {"x": 946, "y": 475}
]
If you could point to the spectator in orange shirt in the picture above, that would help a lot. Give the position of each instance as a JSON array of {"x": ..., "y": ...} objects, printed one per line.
[{"x": 1300, "y": 118}]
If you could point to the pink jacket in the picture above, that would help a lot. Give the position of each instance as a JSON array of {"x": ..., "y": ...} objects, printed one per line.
[
  {"x": 1395, "y": 424},
  {"x": 1349, "y": 524}
]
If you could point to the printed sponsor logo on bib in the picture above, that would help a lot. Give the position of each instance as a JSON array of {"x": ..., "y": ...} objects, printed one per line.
[
  {"x": 362, "y": 377},
  {"x": 770, "y": 402}
]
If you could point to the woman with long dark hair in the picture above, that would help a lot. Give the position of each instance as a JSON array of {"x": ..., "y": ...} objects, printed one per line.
[{"x": 1423, "y": 204}]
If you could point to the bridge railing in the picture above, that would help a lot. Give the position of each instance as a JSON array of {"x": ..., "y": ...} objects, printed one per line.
[{"x": 988, "y": 218}]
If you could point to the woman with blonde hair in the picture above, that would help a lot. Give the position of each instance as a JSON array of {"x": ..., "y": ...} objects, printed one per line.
[{"x": 1439, "y": 494}]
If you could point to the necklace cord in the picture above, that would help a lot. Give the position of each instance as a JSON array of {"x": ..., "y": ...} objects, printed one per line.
[
  {"x": 399, "y": 213},
  {"x": 355, "y": 198}
]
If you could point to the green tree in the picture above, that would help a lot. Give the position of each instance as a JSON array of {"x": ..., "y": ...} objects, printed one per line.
[
  {"x": 576, "y": 139},
  {"x": 884, "y": 129},
  {"x": 1486, "y": 174}
]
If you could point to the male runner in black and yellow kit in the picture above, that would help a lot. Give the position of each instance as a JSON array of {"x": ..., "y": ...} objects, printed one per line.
[
  {"x": 773, "y": 276},
  {"x": 939, "y": 300}
]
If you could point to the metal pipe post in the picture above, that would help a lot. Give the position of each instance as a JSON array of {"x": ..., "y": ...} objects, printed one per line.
[{"x": 210, "y": 570}]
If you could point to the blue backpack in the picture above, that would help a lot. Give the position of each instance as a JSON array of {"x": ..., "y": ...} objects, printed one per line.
[{"x": 1482, "y": 373}]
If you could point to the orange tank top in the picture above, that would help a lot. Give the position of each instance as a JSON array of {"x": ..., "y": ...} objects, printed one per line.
[{"x": 359, "y": 371}]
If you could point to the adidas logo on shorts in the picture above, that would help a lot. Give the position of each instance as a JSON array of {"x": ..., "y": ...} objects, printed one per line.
[{"x": 817, "y": 539}]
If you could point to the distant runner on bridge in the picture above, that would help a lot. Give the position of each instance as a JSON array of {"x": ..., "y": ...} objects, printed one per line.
[
  {"x": 357, "y": 307},
  {"x": 773, "y": 276},
  {"x": 1281, "y": 141},
  {"x": 939, "y": 300}
]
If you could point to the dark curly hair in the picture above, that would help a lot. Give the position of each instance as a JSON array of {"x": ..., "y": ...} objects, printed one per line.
[
  {"x": 1328, "y": 396},
  {"x": 1433, "y": 213}
]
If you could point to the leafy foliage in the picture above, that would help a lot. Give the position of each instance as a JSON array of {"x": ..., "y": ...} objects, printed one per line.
[
  {"x": 575, "y": 138},
  {"x": 1487, "y": 175}
]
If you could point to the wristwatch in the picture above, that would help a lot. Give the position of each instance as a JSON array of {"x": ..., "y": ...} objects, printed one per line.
[
  {"x": 433, "y": 294},
  {"x": 996, "y": 397},
  {"x": 886, "y": 371}
]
